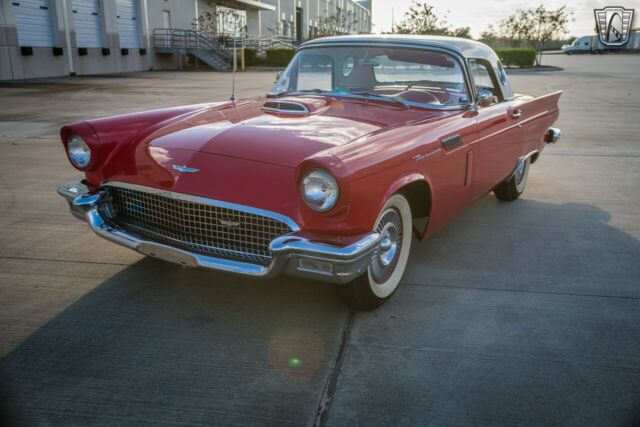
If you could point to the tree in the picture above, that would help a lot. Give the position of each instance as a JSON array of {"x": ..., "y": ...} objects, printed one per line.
[
  {"x": 339, "y": 23},
  {"x": 209, "y": 21},
  {"x": 464, "y": 32},
  {"x": 496, "y": 39},
  {"x": 490, "y": 36},
  {"x": 536, "y": 26},
  {"x": 422, "y": 18}
]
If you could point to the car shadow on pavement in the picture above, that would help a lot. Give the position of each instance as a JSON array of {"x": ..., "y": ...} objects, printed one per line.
[
  {"x": 157, "y": 343},
  {"x": 520, "y": 313},
  {"x": 554, "y": 247}
]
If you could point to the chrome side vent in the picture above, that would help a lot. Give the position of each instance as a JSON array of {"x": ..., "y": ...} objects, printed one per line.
[
  {"x": 452, "y": 142},
  {"x": 285, "y": 107}
]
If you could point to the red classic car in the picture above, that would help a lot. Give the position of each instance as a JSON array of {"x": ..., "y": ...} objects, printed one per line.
[{"x": 364, "y": 142}]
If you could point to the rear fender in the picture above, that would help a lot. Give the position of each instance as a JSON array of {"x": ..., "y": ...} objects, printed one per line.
[{"x": 538, "y": 114}]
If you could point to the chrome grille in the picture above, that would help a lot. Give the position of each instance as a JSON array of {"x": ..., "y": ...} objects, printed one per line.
[{"x": 196, "y": 227}]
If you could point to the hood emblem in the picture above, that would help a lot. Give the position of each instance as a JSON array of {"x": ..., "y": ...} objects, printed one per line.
[
  {"x": 229, "y": 224},
  {"x": 185, "y": 169}
]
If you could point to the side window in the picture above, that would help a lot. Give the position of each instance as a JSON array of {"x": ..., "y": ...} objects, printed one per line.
[{"x": 482, "y": 78}]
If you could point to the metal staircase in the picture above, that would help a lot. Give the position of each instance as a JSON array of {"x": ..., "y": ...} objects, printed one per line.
[{"x": 192, "y": 42}]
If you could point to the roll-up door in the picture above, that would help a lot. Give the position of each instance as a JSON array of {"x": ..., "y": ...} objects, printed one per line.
[
  {"x": 128, "y": 28},
  {"x": 33, "y": 22},
  {"x": 87, "y": 20}
]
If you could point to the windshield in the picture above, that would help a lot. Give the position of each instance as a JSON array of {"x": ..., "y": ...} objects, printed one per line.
[{"x": 405, "y": 75}]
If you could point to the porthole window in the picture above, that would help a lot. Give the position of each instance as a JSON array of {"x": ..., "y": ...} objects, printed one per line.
[{"x": 347, "y": 66}]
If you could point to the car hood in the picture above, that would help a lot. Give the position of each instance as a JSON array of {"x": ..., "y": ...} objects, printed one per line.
[{"x": 248, "y": 131}]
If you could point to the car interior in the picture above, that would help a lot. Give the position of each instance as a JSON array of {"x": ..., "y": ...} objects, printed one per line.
[{"x": 414, "y": 75}]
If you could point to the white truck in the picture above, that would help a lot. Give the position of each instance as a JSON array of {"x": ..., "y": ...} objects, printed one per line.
[{"x": 592, "y": 44}]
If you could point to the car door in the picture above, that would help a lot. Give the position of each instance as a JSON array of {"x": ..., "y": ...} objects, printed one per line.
[{"x": 498, "y": 134}]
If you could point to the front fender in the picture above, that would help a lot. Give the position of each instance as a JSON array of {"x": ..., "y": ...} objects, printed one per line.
[{"x": 401, "y": 182}]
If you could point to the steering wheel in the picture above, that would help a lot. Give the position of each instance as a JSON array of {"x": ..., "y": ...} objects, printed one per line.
[{"x": 418, "y": 96}]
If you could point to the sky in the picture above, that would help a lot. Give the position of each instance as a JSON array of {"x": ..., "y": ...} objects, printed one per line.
[{"x": 478, "y": 14}]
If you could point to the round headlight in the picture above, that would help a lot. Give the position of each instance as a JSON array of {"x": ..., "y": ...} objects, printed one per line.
[
  {"x": 79, "y": 152},
  {"x": 319, "y": 190}
]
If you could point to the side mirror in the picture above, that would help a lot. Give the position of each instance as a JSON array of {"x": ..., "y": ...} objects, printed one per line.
[
  {"x": 278, "y": 75},
  {"x": 485, "y": 98}
]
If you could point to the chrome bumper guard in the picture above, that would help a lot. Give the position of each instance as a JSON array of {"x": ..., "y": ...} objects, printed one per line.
[{"x": 292, "y": 255}]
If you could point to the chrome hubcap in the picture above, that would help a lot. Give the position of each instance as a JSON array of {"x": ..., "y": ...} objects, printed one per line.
[{"x": 387, "y": 253}]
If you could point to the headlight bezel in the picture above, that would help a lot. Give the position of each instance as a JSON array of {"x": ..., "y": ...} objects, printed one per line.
[
  {"x": 75, "y": 143},
  {"x": 310, "y": 202}
]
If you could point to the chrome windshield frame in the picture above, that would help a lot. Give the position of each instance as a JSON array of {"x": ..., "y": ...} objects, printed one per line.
[{"x": 407, "y": 45}]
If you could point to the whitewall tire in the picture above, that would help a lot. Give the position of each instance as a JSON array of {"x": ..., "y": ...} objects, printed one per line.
[
  {"x": 389, "y": 260},
  {"x": 514, "y": 187}
]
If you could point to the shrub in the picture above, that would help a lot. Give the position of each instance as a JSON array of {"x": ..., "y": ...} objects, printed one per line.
[
  {"x": 279, "y": 57},
  {"x": 520, "y": 57},
  {"x": 250, "y": 56}
]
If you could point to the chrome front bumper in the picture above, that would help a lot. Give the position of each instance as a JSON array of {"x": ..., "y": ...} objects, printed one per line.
[{"x": 292, "y": 255}]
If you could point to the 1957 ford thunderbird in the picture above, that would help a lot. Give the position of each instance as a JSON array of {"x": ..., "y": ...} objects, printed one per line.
[{"x": 364, "y": 142}]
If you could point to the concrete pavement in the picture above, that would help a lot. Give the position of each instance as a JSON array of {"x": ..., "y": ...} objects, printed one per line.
[{"x": 516, "y": 313}]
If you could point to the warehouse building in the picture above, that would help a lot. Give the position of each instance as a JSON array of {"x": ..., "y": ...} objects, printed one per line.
[
  {"x": 305, "y": 19},
  {"x": 45, "y": 38}
]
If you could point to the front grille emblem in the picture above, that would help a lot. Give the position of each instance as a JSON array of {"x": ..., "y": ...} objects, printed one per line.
[
  {"x": 185, "y": 169},
  {"x": 229, "y": 224}
]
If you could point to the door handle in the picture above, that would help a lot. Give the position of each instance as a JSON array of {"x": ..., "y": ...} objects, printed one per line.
[{"x": 516, "y": 113}]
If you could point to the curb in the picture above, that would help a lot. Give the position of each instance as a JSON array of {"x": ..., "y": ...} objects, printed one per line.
[{"x": 543, "y": 69}]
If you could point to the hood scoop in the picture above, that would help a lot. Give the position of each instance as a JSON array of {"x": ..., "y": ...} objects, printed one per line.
[
  {"x": 296, "y": 106},
  {"x": 285, "y": 107}
]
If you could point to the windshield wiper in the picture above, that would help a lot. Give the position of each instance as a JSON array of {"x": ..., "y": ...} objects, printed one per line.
[{"x": 379, "y": 97}]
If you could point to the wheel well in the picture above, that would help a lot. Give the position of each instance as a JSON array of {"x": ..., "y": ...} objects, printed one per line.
[{"x": 418, "y": 194}]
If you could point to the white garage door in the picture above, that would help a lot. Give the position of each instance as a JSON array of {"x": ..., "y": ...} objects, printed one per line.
[
  {"x": 33, "y": 22},
  {"x": 128, "y": 28},
  {"x": 87, "y": 19}
]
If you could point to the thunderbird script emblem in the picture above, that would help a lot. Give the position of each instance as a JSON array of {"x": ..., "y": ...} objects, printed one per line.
[
  {"x": 614, "y": 24},
  {"x": 185, "y": 169}
]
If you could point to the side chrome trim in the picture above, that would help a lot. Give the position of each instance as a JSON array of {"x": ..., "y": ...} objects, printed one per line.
[{"x": 197, "y": 199}]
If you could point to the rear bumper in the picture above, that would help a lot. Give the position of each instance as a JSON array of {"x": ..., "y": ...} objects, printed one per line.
[{"x": 292, "y": 255}]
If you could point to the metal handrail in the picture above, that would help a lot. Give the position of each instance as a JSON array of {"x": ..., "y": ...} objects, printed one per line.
[
  {"x": 174, "y": 38},
  {"x": 261, "y": 44},
  {"x": 216, "y": 49}
]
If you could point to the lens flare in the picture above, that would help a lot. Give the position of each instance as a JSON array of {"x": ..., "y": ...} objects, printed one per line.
[{"x": 295, "y": 362}]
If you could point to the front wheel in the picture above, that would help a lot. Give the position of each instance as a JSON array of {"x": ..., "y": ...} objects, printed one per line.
[
  {"x": 514, "y": 187},
  {"x": 394, "y": 224}
]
